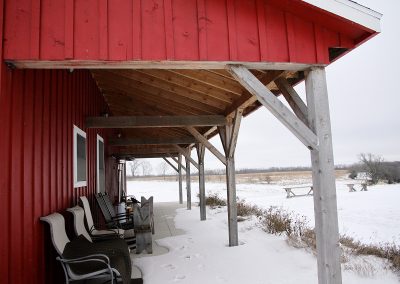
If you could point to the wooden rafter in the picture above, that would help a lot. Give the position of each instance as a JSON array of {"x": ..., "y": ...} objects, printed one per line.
[
  {"x": 153, "y": 121},
  {"x": 150, "y": 141}
]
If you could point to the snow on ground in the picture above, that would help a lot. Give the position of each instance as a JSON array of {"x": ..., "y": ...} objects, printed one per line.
[
  {"x": 371, "y": 217},
  {"x": 202, "y": 255}
]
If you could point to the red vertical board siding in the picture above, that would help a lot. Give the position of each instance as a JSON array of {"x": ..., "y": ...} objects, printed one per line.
[
  {"x": 86, "y": 45},
  {"x": 276, "y": 35},
  {"x": 217, "y": 30},
  {"x": 248, "y": 44},
  {"x": 153, "y": 30},
  {"x": 120, "y": 29},
  {"x": 186, "y": 29},
  {"x": 38, "y": 109},
  {"x": 222, "y": 30},
  {"x": 52, "y": 30}
]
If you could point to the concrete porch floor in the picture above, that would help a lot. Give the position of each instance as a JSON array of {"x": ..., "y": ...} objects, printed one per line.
[{"x": 164, "y": 213}]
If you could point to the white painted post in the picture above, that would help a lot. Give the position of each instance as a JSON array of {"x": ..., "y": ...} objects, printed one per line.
[
  {"x": 180, "y": 178},
  {"x": 188, "y": 187},
  {"x": 202, "y": 184},
  {"x": 325, "y": 206}
]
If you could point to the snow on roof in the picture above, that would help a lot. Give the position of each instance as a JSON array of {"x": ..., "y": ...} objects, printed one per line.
[{"x": 352, "y": 11}]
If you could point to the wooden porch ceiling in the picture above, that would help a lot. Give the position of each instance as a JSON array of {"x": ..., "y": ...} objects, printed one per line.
[{"x": 156, "y": 92}]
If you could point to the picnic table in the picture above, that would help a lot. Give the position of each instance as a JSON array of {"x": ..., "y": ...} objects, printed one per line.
[
  {"x": 290, "y": 193},
  {"x": 352, "y": 189}
]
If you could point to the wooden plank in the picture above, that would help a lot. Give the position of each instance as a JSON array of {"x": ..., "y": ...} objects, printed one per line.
[
  {"x": 69, "y": 29},
  {"x": 294, "y": 100},
  {"x": 155, "y": 64},
  {"x": 202, "y": 27},
  {"x": 262, "y": 32},
  {"x": 191, "y": 85},
  {"x": 136, "y": 30},
  {"x": 206, "y": 143},
  {"x": 202, "y": 184},
  {"x": 169, "y": 163},
  {"x": 154, "y": 121},
  {"x": 323, "y": 171},
  {"x": 169, "y": 31},
  {"x": 291, "y": 37},
  {"x": 234, "y": 132},
  {"x": 188, "y": 181},
  {"x": 185, "y": 154},
  {"x": 233, "y": 48},
  {"x": 180, "y": 177},
  {"x": 103, "y": 29},
  {"x": 144, "y": 156},
  {"x": 35, "y": 29},
  {"x": 277, "y": 108},
  {"x": 150, "y": 141}
]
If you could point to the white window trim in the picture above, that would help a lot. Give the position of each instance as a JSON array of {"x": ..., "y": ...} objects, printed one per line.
[
  {"x": 99, "y": 138},
  {"x": 78, "y": 131}
]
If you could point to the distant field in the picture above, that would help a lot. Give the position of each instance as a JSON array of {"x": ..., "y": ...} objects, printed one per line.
[{"x": 267, "y": 177}]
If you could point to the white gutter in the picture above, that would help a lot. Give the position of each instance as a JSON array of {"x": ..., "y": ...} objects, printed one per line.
[{"x": 350, "y": 10}]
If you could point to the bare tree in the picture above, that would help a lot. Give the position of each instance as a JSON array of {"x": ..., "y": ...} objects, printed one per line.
[
  {"x": 134, "y": 166},
  {"x": 146, "y": 168},
  {"x": 373, "y": 166},
  {"x": 162, "y": 167}
]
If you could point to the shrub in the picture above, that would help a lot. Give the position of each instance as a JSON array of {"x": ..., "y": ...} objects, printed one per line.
[
  {"x": 244, "y": 209},
  {"x": 214, "y": 200}
]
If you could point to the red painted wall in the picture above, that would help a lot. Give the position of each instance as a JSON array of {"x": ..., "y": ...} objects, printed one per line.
[
  {"x": 37, "y": 112},
  {"x": 223, "y": 30}
]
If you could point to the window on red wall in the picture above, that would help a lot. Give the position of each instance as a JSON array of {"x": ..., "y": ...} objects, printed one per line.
[{"x": 79, "y": 153}]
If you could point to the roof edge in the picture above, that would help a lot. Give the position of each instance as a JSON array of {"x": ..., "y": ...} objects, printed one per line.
[{"x": 352, "y": 11}]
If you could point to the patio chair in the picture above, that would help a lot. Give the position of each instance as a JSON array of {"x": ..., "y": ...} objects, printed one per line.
[
  {"x": 113, "y": 220},
  {"x": 81, "y": 260}
]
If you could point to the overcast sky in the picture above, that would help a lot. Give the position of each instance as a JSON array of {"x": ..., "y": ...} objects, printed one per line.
[{"x": 364, "y": 96}]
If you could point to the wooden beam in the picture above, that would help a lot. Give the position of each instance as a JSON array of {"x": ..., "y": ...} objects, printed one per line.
[
  {"x": 293, "y": 99},
  {"x": 142, "y": 155},
  {"x": 180, "y": 178},
  {"x": 188, "y": 181},
  {"x": 154, "y": 121},
  {"x": 234, "y": 133},
  {"x": 202, "y": 184},
  {"x": 169, "y": 163},
  {"x": 151, "y": 141},
  {"x": 185, "y": 154},
  {"x": 206, "y": 143},
  {"x": 276, "y": 107},
  {"x": 162, "y": 64},
  {"x": 177, "y": 161},
  {"x": 323, "y": 171}
]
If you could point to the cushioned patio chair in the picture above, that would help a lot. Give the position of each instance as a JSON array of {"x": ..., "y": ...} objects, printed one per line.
[
  {"x": 99, "y": 234},
  {"x": 82, "y": 260}
]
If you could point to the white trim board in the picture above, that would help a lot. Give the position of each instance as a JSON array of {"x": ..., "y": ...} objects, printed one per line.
[{"x": 350, "y": 10}]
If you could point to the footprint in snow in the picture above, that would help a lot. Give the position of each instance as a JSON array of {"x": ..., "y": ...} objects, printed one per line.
[
  {"x": 168, "y": 266},
  {"x": 179, "y": 277}
]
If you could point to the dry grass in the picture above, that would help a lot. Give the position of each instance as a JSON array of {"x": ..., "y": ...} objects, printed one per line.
[{"x": 214, "y": 200}]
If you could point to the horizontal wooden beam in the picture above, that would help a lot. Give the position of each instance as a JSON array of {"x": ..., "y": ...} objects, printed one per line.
[
  {"x": 151, "y": 141},
  {"x": 144, "y": 156},
  {"x": 142, "y": 64},
  {"x": 275, "y": 106},
  {"x": 154, "y": 121}
]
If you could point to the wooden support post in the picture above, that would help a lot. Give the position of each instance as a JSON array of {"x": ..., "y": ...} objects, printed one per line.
[
  {"x": 125, "y": 181},
  {"x": 202, "y": 184},
  {"x": 180, "y": 178},
  {"x": 325, "y": 206},
  {"x": 188, "y": 187},
  {"x": 229, "y": 135}
]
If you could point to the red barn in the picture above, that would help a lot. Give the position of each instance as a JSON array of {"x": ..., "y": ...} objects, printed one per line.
[{"x": 155, "y": 79}]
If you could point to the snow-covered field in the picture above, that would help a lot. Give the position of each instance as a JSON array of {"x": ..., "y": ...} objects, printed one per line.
[
  {"x": 371, "y": 217},
  {"x": 201, "y": 255}
]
